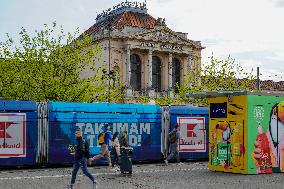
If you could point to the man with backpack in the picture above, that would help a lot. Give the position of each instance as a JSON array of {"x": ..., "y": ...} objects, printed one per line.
[
  {"x": 81, "y": 155},
  {"x": 174, "y": 136},
  {"x": 104, "y": 139}
]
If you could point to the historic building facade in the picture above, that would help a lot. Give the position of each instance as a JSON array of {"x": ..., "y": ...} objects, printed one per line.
[{"x": 150, "y": 57}]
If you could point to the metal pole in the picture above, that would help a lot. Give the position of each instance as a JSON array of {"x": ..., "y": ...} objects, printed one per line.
[
  {"x": 257, "y": 80},
  {"x": 109, "y": 26}
]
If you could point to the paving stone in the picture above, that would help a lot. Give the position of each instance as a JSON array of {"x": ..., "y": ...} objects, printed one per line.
[{"x": 189, "y": 175}]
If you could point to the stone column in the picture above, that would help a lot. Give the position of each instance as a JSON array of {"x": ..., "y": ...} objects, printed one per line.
[
  {"x": 150, "y": 69},
  {"x": 129, "y": 92},
  {"x": 170, "y": 70},
  {"x": 151, "y": 91},
  {"x": 170, "y": 78},
  {"x": 128, "y": 68},
  {"x": 189, "y": 67},
  {"x": 189, "y": 62}
]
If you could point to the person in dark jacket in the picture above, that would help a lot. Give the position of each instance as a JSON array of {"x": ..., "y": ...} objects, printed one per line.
[
  {"x": 174, "y": 145},
  {"x": 123, "y": 141},
  {"x": 81, "y": 155}
]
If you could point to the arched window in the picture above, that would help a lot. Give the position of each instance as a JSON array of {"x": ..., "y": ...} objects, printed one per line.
[
  {"x": 156, "y": 73},
  {"x": 135, "y": 79},
  {"x": 176, "y": 73}
]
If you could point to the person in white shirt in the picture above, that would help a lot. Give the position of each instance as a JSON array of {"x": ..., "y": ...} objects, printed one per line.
[{"x": 115, "y": 149}]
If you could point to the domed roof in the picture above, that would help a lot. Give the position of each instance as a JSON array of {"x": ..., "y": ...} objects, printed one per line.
[{"x": 131, "y": 14}]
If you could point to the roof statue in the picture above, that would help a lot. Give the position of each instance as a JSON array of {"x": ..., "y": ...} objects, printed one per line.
[
  {"x": 161, "y": 22},
  {"x": 120, "y": 8}
]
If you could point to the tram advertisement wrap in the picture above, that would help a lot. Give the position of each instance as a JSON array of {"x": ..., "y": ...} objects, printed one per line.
[
  {"x": 12, "y": 135},
  {"x": 192, "y": 134}
]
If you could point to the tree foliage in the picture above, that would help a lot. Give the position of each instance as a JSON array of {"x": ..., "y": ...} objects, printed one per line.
[
  {"x": 216, "y": 75},
  {"x": 48, "y": 66},
  {"x": 162, "y": 101}
]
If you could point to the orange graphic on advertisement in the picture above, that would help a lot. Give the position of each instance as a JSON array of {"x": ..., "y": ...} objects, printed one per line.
[
  {"x": 237, "y": 146},
  {"x": 262, "y": 152}
]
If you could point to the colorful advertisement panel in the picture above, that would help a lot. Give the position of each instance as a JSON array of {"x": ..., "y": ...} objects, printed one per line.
[
  {"x": 266, "y": 144},
  {"x": 192, "y": 134},
  {"x": 143, "y": 124},
  {"x": 12, "y": 135}
]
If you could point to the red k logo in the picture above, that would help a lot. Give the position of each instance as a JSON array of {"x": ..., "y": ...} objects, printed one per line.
[
  {"x": 3, "y": 129},
  {"x": 12, "y": 135},
  {"x": 190, "y": 132}
]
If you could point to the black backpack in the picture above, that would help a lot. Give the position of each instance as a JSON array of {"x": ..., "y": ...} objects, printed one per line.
[{"x": 173, "y": 137}]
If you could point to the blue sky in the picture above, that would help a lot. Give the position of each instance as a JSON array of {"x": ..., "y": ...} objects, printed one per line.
[{"x": 251, "y": 31}]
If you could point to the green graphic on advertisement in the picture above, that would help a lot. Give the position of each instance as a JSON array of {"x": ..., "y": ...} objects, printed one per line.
[
  {"x": 224, "y": 154},
  {"x": 266, "y": 133},
  {"x": 214, "y": 159}
]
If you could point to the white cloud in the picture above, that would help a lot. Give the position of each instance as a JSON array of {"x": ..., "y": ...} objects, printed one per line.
[
  {"x": 250, "y": 31},
  {"x": 247, "y": 30},
  {"x": 279, "y": 3}
]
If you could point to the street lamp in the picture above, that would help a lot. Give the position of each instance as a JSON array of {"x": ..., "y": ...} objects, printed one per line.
[
  {"x": 109, "y": 55},
  {"x": 257, "y": 79}
]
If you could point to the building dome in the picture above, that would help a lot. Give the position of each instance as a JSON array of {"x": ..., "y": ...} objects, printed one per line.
[{"x": 132, "y": 14}]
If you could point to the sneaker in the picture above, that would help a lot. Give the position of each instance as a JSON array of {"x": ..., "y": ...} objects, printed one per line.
[
  {"x": 166, "y": 162},
  {"x": 70, "y": 186},
  {"x": 95, "y": 185},
  {"x": 110, "y": 168},
  {"x": 117, "y": 168}
]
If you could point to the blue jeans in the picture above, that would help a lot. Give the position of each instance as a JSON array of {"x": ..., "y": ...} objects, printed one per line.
[{"x": 76, "y": 166}]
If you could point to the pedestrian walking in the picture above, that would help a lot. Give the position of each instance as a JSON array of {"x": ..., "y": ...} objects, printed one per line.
[
  {"x": 104, "y": 139},
  {"x": 126, "y": 152},
  {"x": 174, "y": 136},
  {"x": 123, "y": 140},
  {"x": 115, "y": 150},
  {"x": 82, "y": 153}
]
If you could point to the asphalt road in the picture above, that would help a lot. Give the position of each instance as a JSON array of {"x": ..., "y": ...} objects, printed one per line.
[{"x": 189, "y": 175}]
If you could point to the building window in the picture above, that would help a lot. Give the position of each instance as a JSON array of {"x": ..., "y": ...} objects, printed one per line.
[
  {"x": 176, "y": 73},
  {"x": 135, "y": 80},
  {"x": 156, "y": 74}
]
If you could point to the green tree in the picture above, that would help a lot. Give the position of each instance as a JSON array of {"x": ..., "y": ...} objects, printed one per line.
[
  {"x": 216, "y": 75},
  {"x": 48, "y": 66}
]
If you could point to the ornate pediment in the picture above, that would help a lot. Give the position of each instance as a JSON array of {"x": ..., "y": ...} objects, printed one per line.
[{"x": 163, "y": 34}]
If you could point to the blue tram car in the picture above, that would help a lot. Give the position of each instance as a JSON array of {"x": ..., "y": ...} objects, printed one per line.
[{"x": 36, "y": 133}]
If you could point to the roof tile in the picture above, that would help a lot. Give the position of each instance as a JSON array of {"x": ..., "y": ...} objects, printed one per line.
[{"x": 125, "y": 19}]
